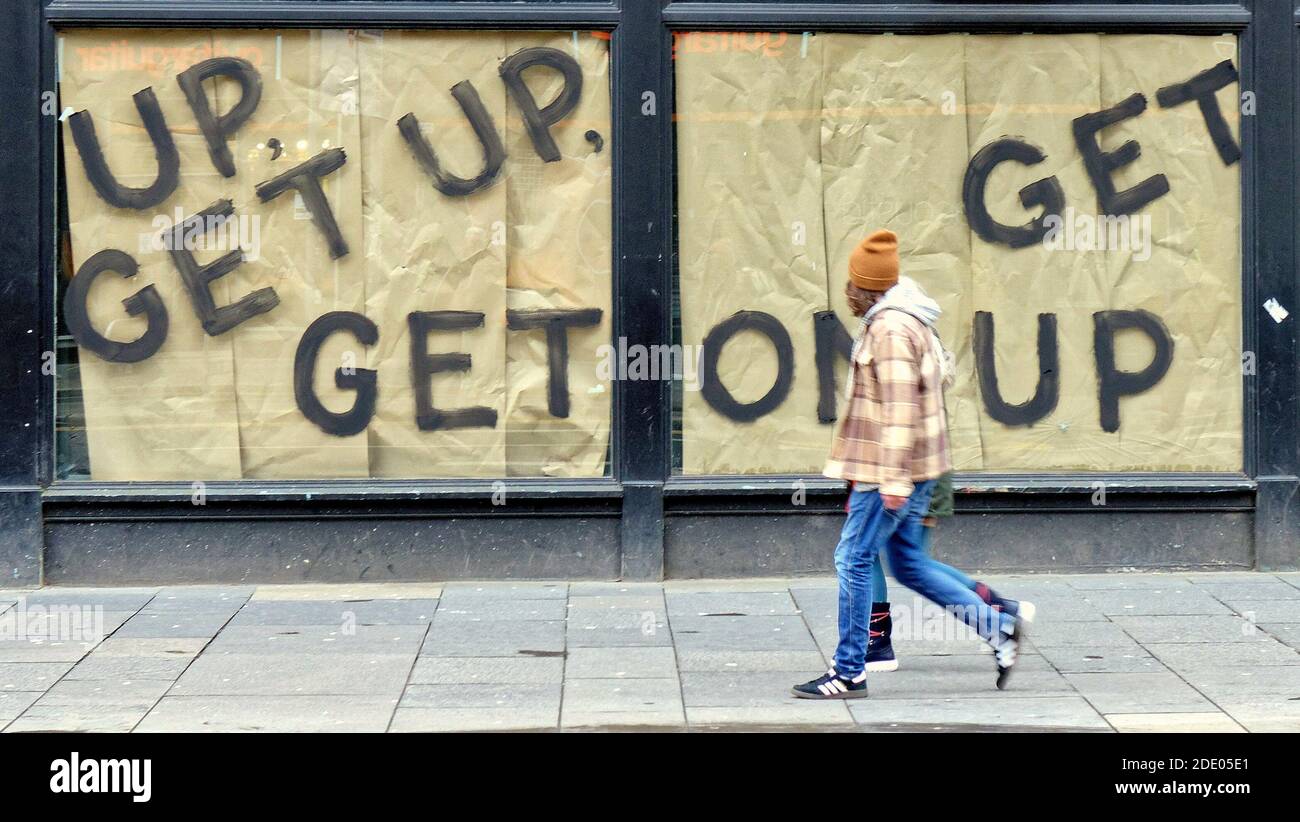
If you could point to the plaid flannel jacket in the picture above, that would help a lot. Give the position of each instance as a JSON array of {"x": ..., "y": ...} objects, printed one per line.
[{"x": 894, "y": 430}]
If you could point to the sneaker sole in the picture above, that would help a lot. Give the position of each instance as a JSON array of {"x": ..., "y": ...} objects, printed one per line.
[
  {"x": 882, "y": 667},
  {"x": 846, "y": 695}
]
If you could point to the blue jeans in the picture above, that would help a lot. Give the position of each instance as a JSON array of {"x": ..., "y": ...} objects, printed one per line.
[
  {"x": 880, "y": 588},
  {"x": 871, "y": 529}
]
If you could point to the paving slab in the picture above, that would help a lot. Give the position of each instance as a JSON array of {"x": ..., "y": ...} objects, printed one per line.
[
  {"x": 768, "y": 584},
  {"x": 625, "y": 662},
  {"x": 40, "y": 718},
  {"x": 234, "y": 673},
  {"x": 41, "y": 650},
  {"x": 156, "y": 647},
  {"x": 622, "y": 702},
  {"x": 347, "y": 591},
  {"x": 338, "y": 612},
  {"x": 753, "y": 633},
  {"x": 607, "y": 628},
  {"x": 1199, "y": 655},
  {"x": 1046, "y": 633},
  {"x": 1188, "y": 723},
  {"x": 315, "y": 640},
  {"x": 1279, "y": 685},
  {"x": 433, "y": 670},
  {"x": 963, "y": 681},
  {"x": 13, "y": 703},
  {"x": 201, "y": 598},
  {"x": 829, "y": 714},
  {"x": 95, "y": 666},
  {"x": 1072, "y": 607},
  {"x": 516, "y": 695},
  {"x": 740, "y": 603},
  {"x": 448, "y": 720},
  {"x": 1262, "y": 588},
  {"x": 1180, "y": 598},
  {"x": 1120, "y": 581},
  {"x": 1056, "y": 712},
  {"x": 278, "y": 714},
  {"x": 1149, "y": 630},
  {"x": 154, "y": 625},
  {"x": 617, "y": 602},
  {"x": 88, "y": 624},
  {"x": 601, "y": 589},
  {"x": 1276, "y": 611},
  {"x": 502, "y": 637},
  {"x": 1286, "y": 633},
  {"x": 110, "y": 599},
  {"x": 750, "y": 661},
  {"x": 493, "y": 608},
  {"x": 1264, "y": 717},
  {"x": 453, "y": 591},
  {"x": 737, "y": 689},
  {"x": 1136, "y": 693},
  {"x": 31, "y": 676},
  {"x": 1127, "y": 658},
  {"x": 106, "y": 693}
]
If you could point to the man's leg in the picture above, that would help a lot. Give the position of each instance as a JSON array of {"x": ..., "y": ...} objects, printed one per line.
[
  {"x": 1017, "y": 608},
  {"x": 853, "y": 559},
  {"x": 913, "y": 568}
]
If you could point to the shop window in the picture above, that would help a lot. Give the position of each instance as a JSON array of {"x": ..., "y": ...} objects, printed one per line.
[
  {"x": 1072, "y": 201},
  {"x": 324, "y": 254}
]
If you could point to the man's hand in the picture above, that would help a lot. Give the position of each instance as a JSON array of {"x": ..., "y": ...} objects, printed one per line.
[{"x": 892, "y": 502}]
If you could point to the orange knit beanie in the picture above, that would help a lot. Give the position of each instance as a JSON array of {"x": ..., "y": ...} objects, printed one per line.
[{"x": 873, "y": 265}]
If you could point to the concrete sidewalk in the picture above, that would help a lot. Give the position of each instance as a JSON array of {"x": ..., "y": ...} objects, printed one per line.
[{"x": 1127, "y": 652}]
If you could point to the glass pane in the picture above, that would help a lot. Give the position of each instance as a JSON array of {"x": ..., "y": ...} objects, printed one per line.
[
  {"x": 1088, "y": 265},
  {"x": 315, "y": 254}
]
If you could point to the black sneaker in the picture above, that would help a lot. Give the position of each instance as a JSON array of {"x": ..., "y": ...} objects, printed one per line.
[
  {"x": 880, "y": 652},
  {"x": 1006, "y": 654},
  {"x": 831, "y": 685}
]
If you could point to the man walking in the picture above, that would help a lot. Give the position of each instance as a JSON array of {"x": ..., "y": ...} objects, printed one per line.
[{"x": 892, "y": 443}]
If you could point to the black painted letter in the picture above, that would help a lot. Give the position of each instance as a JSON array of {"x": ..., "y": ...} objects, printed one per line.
[
  {"x": 494, "y": 153},
  {"x": 362, "y": 380},
  {"x": 539, "y": 122},
  {"x": 1046, "y": 192},
  {"x": 216, "y": 128},
  {"x": 197, "y": 278},
  {"x": 145, "y": 301},
  {"x": 1114, "y": 384},
  {"x": 557, "y": 323},
  {"x": 305, "y": 179},
  {"x": 1201, "y": 88},
  {"x": 1046, "y": 393},
  {"x": 830, "y": 339},
  {"x": 424, "y": 365},
  {"x": 717, "y": 395},
  {"x": 164, "y": 149},
  {"x": 1101, "y": 164}
]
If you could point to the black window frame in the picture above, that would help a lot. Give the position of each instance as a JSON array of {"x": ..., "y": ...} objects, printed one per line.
[{"x": 641, "y": 488}]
